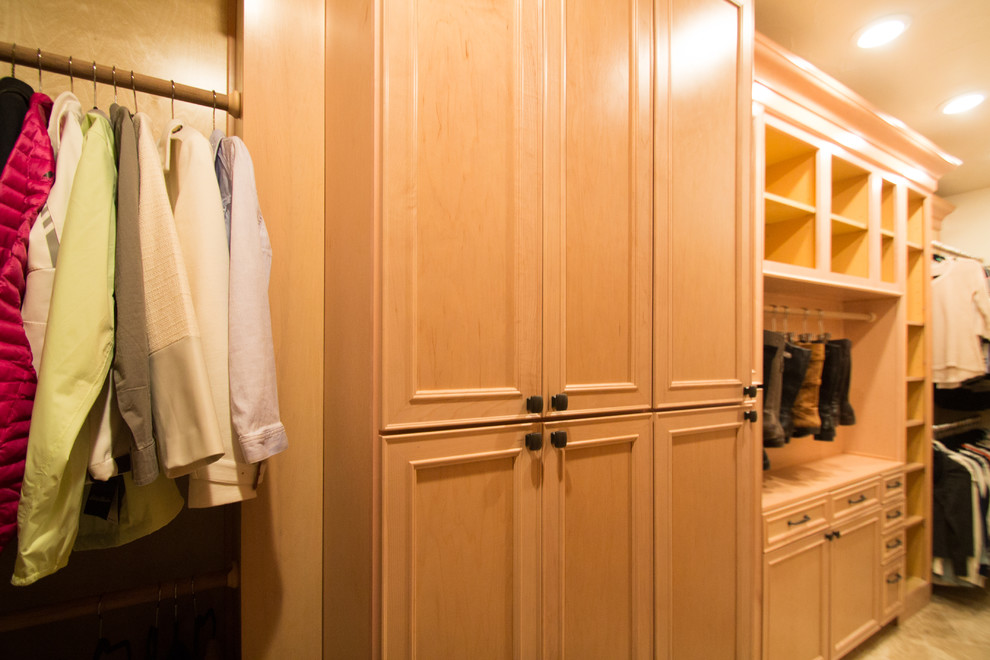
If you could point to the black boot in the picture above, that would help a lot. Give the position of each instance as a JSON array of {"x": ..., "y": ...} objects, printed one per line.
[
  {"x": 773, "y": 368},
  {"x": 828, "y": 394},
  {"x": 847, "y": 416},
  {"x": 796, "y": 361}
]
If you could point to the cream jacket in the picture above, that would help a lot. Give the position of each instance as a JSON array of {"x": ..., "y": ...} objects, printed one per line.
[
  {"x": 185, "y": 420},
  {"x": 198, "y": 211}
]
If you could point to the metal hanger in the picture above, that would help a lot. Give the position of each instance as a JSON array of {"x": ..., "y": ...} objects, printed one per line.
[
  {"x": 95, "y": 104},
  {"x": 39, "y": 69},
  {"x": 72, "y": 81},
  {"x": 13, "y": 70},
  {"x": 134, "y": 89},
  {"x": 113, "y": 75}
]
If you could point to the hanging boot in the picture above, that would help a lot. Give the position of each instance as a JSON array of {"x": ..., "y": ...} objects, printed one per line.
[
  {"x": 847, "y": 416},
  {"x": 773, "y": 368},
  {"x": 796, "y": 361},
  {"x": 829, "y": 392},
  {"x": 805, "y": 411}
]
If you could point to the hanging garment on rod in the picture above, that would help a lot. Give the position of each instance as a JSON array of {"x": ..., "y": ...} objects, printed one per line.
[
  {"x": 24, "y": 184},
  {"x": 78, "y": 353},
  {"x": 191, "y": 180},
  {"x": 961, "y": 509},
  {"x": 131, "y": 371},
  {"x": 15, "y": 96},
  {"x": 960, "y": 316}
]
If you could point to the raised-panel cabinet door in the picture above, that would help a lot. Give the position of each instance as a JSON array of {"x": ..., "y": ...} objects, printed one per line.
[
  {"x": 461, "y": 188},
  {"x": 460, "y": 544},
  {"x": 795, "y": 600},
  {"x": 855, "y": 583},
  {"x": 706, "y": 541},
  {"x": 704, "y": 272},
  {"x": 598, "y": 205},
  {"x": 597, "y": 539}
]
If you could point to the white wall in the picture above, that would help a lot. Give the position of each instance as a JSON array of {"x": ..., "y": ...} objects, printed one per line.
[{"x": 968, "y": 226}]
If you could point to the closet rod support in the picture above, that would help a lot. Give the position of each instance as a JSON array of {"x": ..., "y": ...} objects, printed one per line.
[{"x": 63, "y": 65}]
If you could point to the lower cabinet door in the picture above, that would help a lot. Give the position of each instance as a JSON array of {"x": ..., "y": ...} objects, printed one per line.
[
  {"x": 598, "y": 539},
  {"x": 795, "y": 600},
  {"x": 855, "y": 582},
  {"x": 460, "y": 544},
  {"x": 706, "y": 559}
]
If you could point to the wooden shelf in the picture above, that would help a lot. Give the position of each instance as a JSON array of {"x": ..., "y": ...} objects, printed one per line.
[
  {"x": 782, "y": 209},
  {"x": 914, "y": 246},
  {"x": 915, "y": 379},
  {"x": 915, "y": 422},
  {"x": 843, "y": 225},
  {"x": 913, "y": 521},
  {"x": 910, "y": 468},
  {"x": 786, "y": 278}
]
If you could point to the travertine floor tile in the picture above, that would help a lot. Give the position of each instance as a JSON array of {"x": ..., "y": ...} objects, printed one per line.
[{"x": 954, "y": 626}]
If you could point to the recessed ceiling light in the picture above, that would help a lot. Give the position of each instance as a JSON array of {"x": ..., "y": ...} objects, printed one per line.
[
  {"x": 883, "y": 31},
  {"x": 962, "y": 103}
]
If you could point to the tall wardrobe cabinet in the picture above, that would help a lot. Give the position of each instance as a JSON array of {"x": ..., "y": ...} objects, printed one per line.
[{"x": 538, "y": 268}]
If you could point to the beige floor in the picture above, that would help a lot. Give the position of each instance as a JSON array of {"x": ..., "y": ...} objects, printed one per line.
[{"x": 954, "y": 626}]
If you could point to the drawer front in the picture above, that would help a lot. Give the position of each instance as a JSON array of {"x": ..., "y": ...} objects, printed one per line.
[
  {"x": 855, "y": 499},
  {"x": 894, "y": 544},
  {"x": 893, "y": 486},
  {"x": 794, "y": 522},
  {"x": 892, "y": 589},
  {"x": 894, "y": 515}
]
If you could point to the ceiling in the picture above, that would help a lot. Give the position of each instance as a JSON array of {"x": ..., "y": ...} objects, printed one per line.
[{"x": 944, "y": 52}]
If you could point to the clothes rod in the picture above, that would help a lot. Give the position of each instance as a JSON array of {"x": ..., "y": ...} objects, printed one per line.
[
  {"x": 96, "y": 605},
  {"x": 969, "y": 422},
  {"x": 35, "y": 58},
  {"x": 942, "y": 247},
  {"x": 813, "y": 314}
]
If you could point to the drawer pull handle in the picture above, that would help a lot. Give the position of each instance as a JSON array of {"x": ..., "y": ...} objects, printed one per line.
[
  {"x": 894, "y": 484},
  {"x": 896, "y": 543},
  {"x": 791, "y": 523},
  {"x": 894, "y": 579},
  {"x": 894, "y": 515},
  {"x": 858, "y": 500}
]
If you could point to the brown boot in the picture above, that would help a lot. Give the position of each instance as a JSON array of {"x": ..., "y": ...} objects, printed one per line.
[{"x": 805, "y": 411}]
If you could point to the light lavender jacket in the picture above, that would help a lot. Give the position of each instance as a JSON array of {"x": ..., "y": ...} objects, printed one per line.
[{"x": 253, "y": 393}]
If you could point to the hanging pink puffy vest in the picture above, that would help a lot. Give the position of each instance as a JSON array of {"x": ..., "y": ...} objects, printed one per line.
[{"x": 24, "y": 185}]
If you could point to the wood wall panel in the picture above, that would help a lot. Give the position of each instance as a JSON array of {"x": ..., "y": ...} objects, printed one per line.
[
  {"x": 351, "y": 523},
  {"x": 282, "y": 78},
  {"x": 184, "y": 40}
]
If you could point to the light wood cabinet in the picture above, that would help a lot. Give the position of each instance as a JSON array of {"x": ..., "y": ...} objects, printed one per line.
[
  {"x": 703, "y": 274},
  {"x": 598, "y": 538},
  {"x": 843, "y": 214},
  {"x": 796, "y": 600},
  {"x": 522, "y": 167},
  {"x": 705, "y": 547},
  {"x": 494, "y": 545},
  {"x": 822, "y": 592},
  {"x": 854, "y": 582},
  {"x": 460, "y": 215},
  {"x": 461, "y": 544}
]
